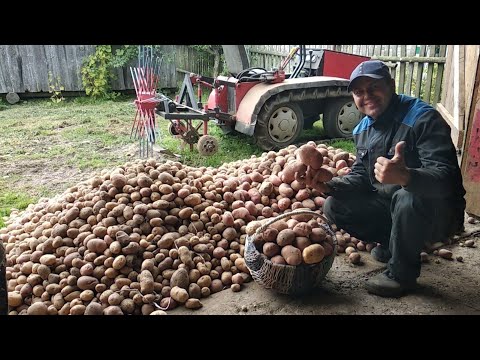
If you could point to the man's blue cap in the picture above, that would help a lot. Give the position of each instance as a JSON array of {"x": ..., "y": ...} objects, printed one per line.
[{"x": 375, "y": 69}]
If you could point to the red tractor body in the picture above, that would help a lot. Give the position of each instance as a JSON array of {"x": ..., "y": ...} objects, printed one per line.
[
  {"x": 275, "y": 107},
  {"x": 339, "y": 64}
]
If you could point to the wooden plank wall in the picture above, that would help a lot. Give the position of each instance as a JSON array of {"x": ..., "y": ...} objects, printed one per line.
[
  {"x": 458, "y": 86},
  {"x": 418, "y": 69},
  {"x": 472, "y": 53},
  {"x": 471, "y": 159},
  {"x": 188, "y": 59},
  {"x": 25, "y": 68}
]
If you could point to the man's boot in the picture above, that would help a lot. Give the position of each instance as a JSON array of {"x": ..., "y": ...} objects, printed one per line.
[{"x": 384, "y": 284}]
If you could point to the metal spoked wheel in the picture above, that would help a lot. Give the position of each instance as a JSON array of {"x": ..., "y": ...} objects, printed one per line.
[{"x": 207, "y": 145}]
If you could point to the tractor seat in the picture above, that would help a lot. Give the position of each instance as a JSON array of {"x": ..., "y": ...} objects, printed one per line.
[{"x": 250, "y": 74}]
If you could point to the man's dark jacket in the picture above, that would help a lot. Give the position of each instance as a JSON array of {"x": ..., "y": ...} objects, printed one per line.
[{"x": 429, "y": 153}]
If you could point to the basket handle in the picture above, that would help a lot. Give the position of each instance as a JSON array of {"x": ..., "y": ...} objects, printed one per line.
[{"x": 291, "y": 213}]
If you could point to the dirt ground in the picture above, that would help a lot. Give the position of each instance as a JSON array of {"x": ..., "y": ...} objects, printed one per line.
[
  {"x": 446, "y": 287},
  {"x": 55, "y": 177}
]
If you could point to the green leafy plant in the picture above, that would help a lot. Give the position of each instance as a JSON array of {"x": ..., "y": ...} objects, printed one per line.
[
  {"x": 96, "y": 72},
  {"x": 2, "y": 105},
  {"x": 97, "y": 69},
  {"x": 123, "y": 55},
  {"x": 55, "y": 88}
]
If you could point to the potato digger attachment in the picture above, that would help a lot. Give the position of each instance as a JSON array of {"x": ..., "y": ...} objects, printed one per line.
[
  {"x": 188, "y": 119},
  {"x": 145, "y": 80}
]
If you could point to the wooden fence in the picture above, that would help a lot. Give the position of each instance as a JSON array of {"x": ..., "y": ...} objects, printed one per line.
[
  {"x": 188, "y": 59},
  {"x": 26, "y": 68},
  {"x": 417, "y": 69}
]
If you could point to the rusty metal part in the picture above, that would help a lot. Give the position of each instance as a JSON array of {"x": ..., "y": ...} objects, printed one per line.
[
  {"x": 190, "y": 136},
  {"x": 176, "y": 127},
  {"x": 207, "y": 145}
]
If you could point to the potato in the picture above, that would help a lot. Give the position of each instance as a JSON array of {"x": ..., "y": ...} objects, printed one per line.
[
  {"x": 180, "y": 278},
  {"x": 271, "y": 249},
  {"x": 14, "y": 299},
  {"x": 193, "y": 304},
  {"x": 292, "y": 255},
  {"x": 301, "y": 242},
  {"x": 186, "y": 256},
  {"x": 343, "y": 155},
  {"x": 158, "y": 312},
  {"x": 178, "y": 294},
  {"x": 118, "y": 180},
  {"x": 302, "y": 229},
  {"x": 285, "y": 237},
  {"x": 349, "y": 250},
  {"x": 38, "y": 308},
  {"x": 216, "y": 286},
  {"x": 292, "y": 168},
  {"x": 354, "y": 258},
  {"x": 112, "y": 310},
  {"x": 236, "y": 287},
  {"x": 310, "y": 156},
  {"x": 446, "y": 254},
  {"x": 313, "y": 254},
  {"x": 97, "y": 245},
  {"x": 278, "y": 259},
  {"x": 146, "y": 282},
  {"x": 270, "y": 234},
  {"x": 240, "y": 265},
  {"x": 87, "y": 282}
]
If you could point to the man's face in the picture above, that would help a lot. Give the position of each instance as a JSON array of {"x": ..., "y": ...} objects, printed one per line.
[{"x": 372, "y": 96}]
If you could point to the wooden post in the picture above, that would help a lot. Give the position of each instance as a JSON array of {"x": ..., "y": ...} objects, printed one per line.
[
  {"x": 428, "y": 81},
  {"x": 3, "y": 282},
  {"x": 439, "y": 79},
  {"x": 409, "y": 74},
  {"x": 394, "y": 70},
  {"x": 418, "y": 83},
  {"x": 401, "y": 79}
]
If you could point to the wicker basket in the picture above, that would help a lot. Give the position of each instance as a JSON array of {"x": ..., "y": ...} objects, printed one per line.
[{"x": 288, "y": 279}]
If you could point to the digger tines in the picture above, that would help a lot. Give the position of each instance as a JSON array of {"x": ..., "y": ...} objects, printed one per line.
[{"x": 145, "y": 80}]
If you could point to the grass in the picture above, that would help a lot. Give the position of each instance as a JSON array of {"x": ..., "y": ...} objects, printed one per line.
[
  {"x": 46, "y": 148},
  {"x": 232, "y": 147},
  {"x": 317, "y": 134},
  {"x": 346, "y": 145},
  {"x": 12, "y": 200}
]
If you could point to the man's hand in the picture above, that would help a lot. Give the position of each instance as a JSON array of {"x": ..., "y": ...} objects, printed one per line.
[
  {"x": 315, "y": 180},
  {"x": 393, "y": 171}
]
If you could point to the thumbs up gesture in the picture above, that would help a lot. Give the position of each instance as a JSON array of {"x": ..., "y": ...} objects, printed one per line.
[{"x": 393, "y": 171}]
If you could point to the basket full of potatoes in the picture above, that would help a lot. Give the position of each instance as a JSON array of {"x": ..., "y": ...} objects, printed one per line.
[{"x": 291, "y": 253}]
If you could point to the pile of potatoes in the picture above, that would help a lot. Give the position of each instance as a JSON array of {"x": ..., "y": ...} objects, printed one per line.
[{"x": 149, "y": 236}]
